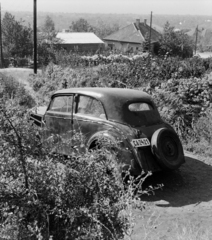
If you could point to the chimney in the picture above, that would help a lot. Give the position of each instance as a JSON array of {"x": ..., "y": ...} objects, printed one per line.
[
  {"x": 145, "y": 20},
  {"x": 137, "y": 23}
]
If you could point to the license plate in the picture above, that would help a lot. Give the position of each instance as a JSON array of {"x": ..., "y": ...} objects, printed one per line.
[{"x": 141, "y": 142}]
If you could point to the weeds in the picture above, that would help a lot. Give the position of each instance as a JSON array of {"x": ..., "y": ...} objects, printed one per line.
[{"x": 43, "y": 194}]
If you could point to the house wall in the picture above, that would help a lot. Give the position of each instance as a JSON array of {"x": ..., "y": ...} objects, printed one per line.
[
  {"x": 122, "y": 46},
  {"x": 81, "y": 47}
]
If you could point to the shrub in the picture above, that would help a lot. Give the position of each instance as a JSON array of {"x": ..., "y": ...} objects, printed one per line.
[
  {"x": 175, "y": 43},
  {"x": 22, "y": 62},
  {"x": 44, "y": 194},
  {"x": 12, "y": 89}
]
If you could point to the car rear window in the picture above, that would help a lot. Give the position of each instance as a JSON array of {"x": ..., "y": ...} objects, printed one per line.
[
  {"x": 140, "y": 114},
  {"x": 137, "y": 107}
]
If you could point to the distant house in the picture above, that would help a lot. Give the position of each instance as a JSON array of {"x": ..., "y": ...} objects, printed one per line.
[
  {"x": 132, "y": 36},
  {"x": 79, "y": 41}
]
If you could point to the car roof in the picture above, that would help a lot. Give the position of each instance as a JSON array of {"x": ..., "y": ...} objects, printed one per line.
[
  {"x": 105, "y": 93},
  {"x": 114, "y": 100}
]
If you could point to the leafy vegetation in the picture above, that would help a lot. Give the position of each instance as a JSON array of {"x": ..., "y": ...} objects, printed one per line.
[
  {"x": 17, "y": 38},
  {"x": 175, "y": 43},
  {"x": 44, "y": 195}
]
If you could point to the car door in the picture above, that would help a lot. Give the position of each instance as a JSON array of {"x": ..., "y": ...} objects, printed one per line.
[
  {"x": 89, "y": 118},
  {"x": 59, "y": 124}
]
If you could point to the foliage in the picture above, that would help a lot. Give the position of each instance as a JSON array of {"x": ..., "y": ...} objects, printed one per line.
[
  {"x": 117, "y": 70},
  {"x": 47, "y": 42},
  {"x": 100, "y": 29},
  {"x": 81, "y": 25},
  {"x": 11, "y": 89},
  {"x": 200, "y": 142},
  {"x": 175, "y": 43},
  {"x": 54, "y": 77},
  {"x": 48, "y": 26},
  {"x": 17, "y": 38},
  {"x": 146, "y": 42},
  {"x": 45, "y": 195}
]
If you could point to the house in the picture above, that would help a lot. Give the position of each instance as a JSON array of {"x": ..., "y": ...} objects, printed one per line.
[
  {"x": 79, "y": 41},
  {"x": 132, "y": 37}
]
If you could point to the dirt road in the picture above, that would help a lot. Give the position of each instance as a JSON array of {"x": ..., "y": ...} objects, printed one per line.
[
  {"x": 182, "y": 209},
  {"x": 20, "y": 74}
]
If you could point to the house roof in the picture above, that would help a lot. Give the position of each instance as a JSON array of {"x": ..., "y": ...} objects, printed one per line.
[
  {"x": 133, "y": 33},
  {"x": 79, "y": 38}
]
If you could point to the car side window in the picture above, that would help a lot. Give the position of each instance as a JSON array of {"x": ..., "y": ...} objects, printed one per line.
[
  {"x": 61, "y": 104},
  {"x": 91, "y": 107}
]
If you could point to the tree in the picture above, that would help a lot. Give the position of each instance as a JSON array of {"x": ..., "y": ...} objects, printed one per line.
[
  {"x": 175, "y": 43},
  {"x": 17, "y": 38},
  {"x": 146, "y": 43},
  {"x": 49, "y": 27},
  {"x": 81, "y": 25},
  {"x": 103, "y": 30},
  {"x": 47, "y": 41}
]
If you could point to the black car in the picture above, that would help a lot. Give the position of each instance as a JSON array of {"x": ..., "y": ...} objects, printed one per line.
[{"x": 129, "y": 117}]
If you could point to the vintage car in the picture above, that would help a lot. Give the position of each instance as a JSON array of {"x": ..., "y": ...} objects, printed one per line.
[{"x": 129, "y": 117}]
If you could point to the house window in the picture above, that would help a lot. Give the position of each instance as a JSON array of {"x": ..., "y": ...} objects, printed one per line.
[
  {"x": 76, "y": 48},
  {"x": 111, "y": 45}
]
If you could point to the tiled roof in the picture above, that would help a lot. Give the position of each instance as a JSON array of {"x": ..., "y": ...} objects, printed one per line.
[
  {"x": 126, "y": 34},
  {"x": 79, "y": 38},
  {"x": 144, "y": 28},
  {"x": 133, "y": 34}
]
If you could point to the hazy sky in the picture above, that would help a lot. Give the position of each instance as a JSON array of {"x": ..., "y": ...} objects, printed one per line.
[{"x": 200, "y": 7}]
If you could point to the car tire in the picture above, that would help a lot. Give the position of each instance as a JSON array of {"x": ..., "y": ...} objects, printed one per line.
[{"x": 167, "y": 148}]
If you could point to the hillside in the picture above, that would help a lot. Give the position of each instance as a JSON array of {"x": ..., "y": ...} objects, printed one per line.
[{"x": 64, "y": 20}]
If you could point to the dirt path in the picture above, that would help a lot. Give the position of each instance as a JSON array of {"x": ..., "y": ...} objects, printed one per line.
[
  {"x": 182, "y": 209},
  {"x": 20, "y": 74}
]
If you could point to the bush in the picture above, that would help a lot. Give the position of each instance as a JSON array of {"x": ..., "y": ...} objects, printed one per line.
[
  {"x": 43, "y": 194},
  {"x": 22, "y": 62},
  {"x": 12, "y": 89}
]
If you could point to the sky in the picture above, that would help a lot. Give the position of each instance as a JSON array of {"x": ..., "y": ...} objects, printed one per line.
[{"x": 179, "y": 7}]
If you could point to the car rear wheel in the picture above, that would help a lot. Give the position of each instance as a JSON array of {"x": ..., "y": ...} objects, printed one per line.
[{"x": 167, "y": 148}]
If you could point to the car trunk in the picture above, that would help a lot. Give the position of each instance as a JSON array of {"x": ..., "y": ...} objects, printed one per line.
[{"x": 148, "y": 123}]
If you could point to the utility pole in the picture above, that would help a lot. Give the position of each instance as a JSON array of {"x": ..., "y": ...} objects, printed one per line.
[
  {"x": 1, "y": 50},
  {"x": 35, "y": 36},
  {"x": 150, "y": 33},
  {"x": 196, "y": 39}
]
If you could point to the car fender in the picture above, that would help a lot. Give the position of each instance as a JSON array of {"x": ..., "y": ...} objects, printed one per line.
[
  {"x": 125, "y": 157},
  {"x": 95, "y": 137}
]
